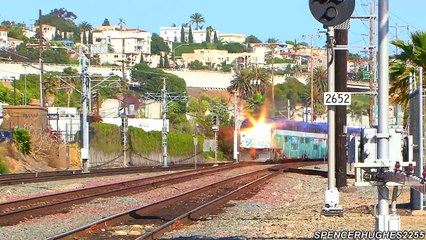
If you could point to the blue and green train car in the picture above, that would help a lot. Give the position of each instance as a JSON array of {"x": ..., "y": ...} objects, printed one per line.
[{"x": 276, "y": 139}]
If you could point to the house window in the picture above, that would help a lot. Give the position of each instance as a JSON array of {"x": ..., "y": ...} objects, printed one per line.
[{"x": 115, "y": 56}]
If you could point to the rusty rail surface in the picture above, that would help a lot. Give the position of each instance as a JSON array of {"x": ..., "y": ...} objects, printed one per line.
[
  {"x": 15, "y": 211},
  {"x": 21, "y": 178},
  {"x": 174, "y": 211}
]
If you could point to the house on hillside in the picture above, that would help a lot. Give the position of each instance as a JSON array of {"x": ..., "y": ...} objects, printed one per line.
[
  {"x": 136, "y": 43},
  {"x": 173, "y": 34},
  {"x": 12, "y": 43},
  {"x": 49, "y": 32},
  {"x": 232, "y": 38},
  {"x": 3, "y": 38}
]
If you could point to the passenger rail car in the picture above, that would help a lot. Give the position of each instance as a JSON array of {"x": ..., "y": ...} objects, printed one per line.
[{"x": 277, "y": 139}]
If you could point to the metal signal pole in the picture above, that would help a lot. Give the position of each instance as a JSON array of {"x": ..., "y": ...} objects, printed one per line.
[{"x": 341, "y": 73}]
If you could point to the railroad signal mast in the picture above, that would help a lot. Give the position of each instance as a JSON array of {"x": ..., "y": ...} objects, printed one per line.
[
  {"x": 331, "y": 13},
  {"x": 374, "y": 166},
  {"x": 215, "y": 128}
]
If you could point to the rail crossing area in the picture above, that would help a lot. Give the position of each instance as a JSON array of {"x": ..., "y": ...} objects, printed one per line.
[{"x": 246, "y": 200}]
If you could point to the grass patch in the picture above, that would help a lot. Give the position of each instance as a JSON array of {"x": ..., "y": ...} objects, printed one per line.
[{"x": 3, "y": 166}]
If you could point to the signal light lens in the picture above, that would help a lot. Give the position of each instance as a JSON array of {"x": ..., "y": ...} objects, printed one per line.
[
  {"x": 410, "y": 168},
  {"x": 397, "y": 166}
]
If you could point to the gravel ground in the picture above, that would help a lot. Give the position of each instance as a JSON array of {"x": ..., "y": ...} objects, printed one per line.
[
  {"x": 23, "y": 191},
  {"x": 289, "y": 207},
  {"x": 48, "y": 226}
]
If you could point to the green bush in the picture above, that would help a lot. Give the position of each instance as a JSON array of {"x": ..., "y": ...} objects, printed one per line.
[
  {"x": 21, "y": 137},
  {"x": 179, "y": 144},
  {"x": 210, "y": 154},
  {"x": 106, "y": 137},
  {"x": 3, "y": 167}
]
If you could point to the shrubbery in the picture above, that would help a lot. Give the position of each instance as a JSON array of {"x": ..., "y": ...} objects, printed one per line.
[
  {"x": 107, "y": 137},
  {"x": 3, "y": 167},
  {"x": 21, "y": 137}
]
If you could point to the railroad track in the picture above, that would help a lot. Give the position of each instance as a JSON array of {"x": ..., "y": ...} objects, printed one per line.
[
  {"x": 15, "y": 211},
  {"x": 21, "y": 178},
  {"x": 159, "y": 217}
]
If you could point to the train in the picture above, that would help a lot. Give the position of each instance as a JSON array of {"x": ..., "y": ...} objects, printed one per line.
[{"x": 275, "y": 139}]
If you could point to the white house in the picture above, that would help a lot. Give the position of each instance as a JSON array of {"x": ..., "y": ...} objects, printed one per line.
[
  {"x": 49, "y": 32},
  {"x": 135, "y": 42},
  {"x": 3, "y": 38},
  {"x": 173, "y": 34}
]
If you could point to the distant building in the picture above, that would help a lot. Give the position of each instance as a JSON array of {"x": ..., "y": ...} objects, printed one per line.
[
  {"x": 173, "y": 34},
  {"x": 136, "y": 43},
  {"x": 13, "y": 42},
  {"x": 3, "y": 38},
  {"x": 49, "y": 32},
  {"x": 232, "y": 38}
]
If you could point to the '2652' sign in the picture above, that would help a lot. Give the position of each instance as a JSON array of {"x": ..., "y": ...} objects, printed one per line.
[{"x": 337, "y": 98}]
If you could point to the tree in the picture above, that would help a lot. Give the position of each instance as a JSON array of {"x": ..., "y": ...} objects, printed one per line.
[
  {"x": 158, "y": 45},
  {"x": 209, "y": 31},
  {"x": 215, "y": 38},
  {"x": 106, "y": 22},
  {"x": 272, "y": 40},
  {"x": 235, "y": 47},
  {"x": 413, "y": 55},
  {"x": 90, "y": 41},
  {"x": 151, "y": 79},
  {"x": 14, "y": 30},
  {"x": 72, "y": 82},
  {"x": 166, "y": 61},
  {"x": 320, "y": 86},
  {"x": 243, "y": 82},
  {"x": 85, "y": 27},
  {"x": 63, "y": 13},
  {"x": 121, "y": 23},
  {"x": 50, "y": 85},
  {"x": 190, "y": 37},
  {"x": 182, "y": 35},
  {"x": 161, "y": 61},
  {"x": 197, "y": 19},
  {"x": 252, "y": 39}
]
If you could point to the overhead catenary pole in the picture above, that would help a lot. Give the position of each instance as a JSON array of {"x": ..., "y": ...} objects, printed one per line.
[
  {"x": 85, "y": 125},
  {"x": 40, "y": 57},
  {"x": 341, "y": 63},
  {"x": 164, "y": 129},
  {"x": 235, "y": 126},
  {"x": 382, "y": 219}
]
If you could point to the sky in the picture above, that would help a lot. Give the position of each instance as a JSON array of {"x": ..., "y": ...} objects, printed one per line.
[{"x": 281, "y": 19}]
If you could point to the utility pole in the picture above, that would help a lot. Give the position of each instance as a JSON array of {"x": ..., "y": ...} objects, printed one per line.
[
  {"x": 312, "y": 73},
  {"x": 371, "y": 64},
  {"x": 164, "y": 129},
  {"x": 398, "y": 106},
  {"x": 341, "y": 64},
  {"x": 397, "y": 27},
  {"x": 40, "y": 57}
]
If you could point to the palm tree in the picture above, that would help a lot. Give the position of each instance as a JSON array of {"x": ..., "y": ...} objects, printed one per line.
[
  {"x": 413, "y": 55},
  {"x": 197, "y": 18},
  {"x": 50, "y": 86},
  {"x": 248, "y": 82},
  {"x": 121, "y": 23},
  {"x": 319, "y": 86},
  {"x": 85, "y": 27},
  {"x": 72, "y": 82}
]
